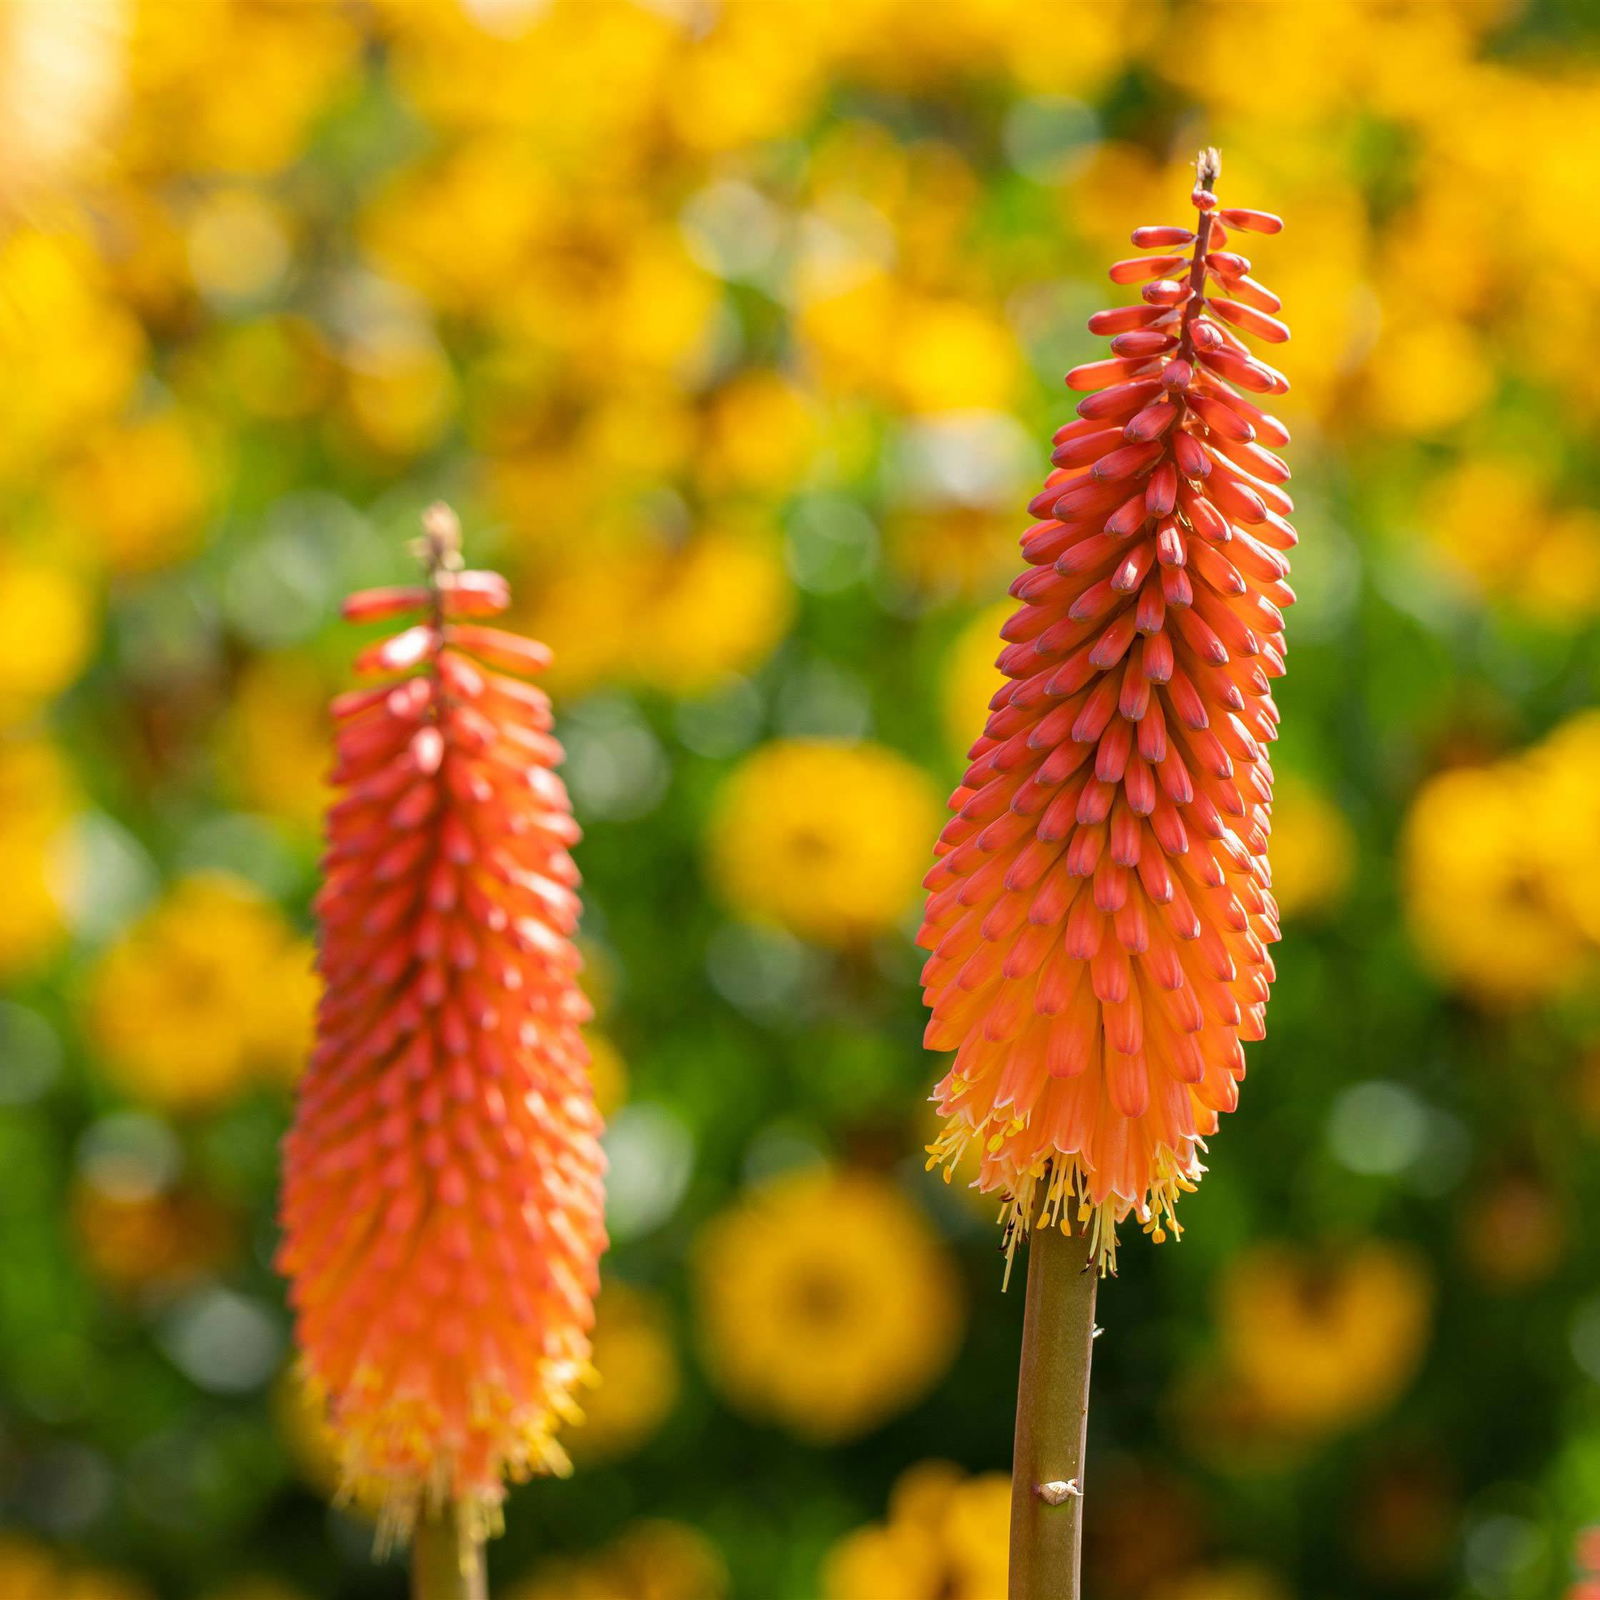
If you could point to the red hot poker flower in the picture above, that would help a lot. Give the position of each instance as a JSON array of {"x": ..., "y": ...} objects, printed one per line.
[
  {"x": 1099, "y": 915},
  {"x": 443, "y": 1198}
]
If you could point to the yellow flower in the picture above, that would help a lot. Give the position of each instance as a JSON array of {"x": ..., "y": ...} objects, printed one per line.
[
  {"x": 639, "y": 1377},
  {"x": 918, "y": 352},
  {"x": 1483, "y": 908},
  {"x": 945, "y": 1538},
  {"x": 607, "y": 1070},
  {"x": 711, "y": 607},
  {"x": 825, "y": 838},
  {"x": 184, "y": 115},
  {"x": 954, "y": 356},
  {"x": 1427, "y": 373},
  {"x": 47, "y": 630},
  {"x": 653, "y": 1559},
  {"x": 1490, "y": 520},
  {"x": 1564, "y": 772},
  {"x": 399, "y": 391},
  {"x": 206, "y": 991},
  {"x": 1313, "y": 848},
  {"x": 238, "y": 243},
  {"x": 971, "y": 677},
  {"x": 1319, "y": 1342},
  {"x": 273, "y": 740},
  {"x": 38, "y": 801},
  {"x": 30, "y": 1571},
  {"x": 758, "y": 434},
  {"x": 64, "y": 344},
  {"x": 954, "y": 550},
  {"x": 749, "y": 79},
  {"x": 137, "y": 493},
  {"x": 826, "y": 1303},
  {"x": 720, "y": 605}
]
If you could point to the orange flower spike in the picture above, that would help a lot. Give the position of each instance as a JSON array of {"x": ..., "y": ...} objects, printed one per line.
[
  {"x": 1100, "y": 912},
  {"x": 443, "y": 1189}
]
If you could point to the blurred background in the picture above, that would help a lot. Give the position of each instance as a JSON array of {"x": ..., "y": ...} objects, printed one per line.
[{"x": 736, "y": 332}]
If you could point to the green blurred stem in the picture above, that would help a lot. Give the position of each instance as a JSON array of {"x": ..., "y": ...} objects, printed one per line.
[
  {"x": 1052, "y": 1417},
  {"x": 446, "y": 1560}
]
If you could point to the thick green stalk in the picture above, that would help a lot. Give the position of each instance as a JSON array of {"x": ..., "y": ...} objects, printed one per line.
[
  {"x": 446, "y": 1559},
  {"x": 1052, "y": 1417}
]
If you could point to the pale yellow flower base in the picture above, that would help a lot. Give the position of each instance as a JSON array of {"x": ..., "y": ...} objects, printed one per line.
[{"x": 1055, "y": 1193}]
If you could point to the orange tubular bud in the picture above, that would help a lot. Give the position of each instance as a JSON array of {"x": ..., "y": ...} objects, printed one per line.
[
  {"x": 1100, "y": 911},
  {"x": 442, "y": 1200}
]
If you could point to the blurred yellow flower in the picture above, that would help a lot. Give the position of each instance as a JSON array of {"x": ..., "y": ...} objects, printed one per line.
[
  {"x": 758, "y": 434},
  {"x": 1496, "y": 869},
  {"x": 954, "y": 549},
  {"x": 946, "y": 1538},
  {"x": 639, "y": 1377},
  {"x": 399, "y": 391},
  {"x": 652, "y": 1559},
  {"x": 825, "y": 838},
  {"x": 583, "y": 96},
  {"x": 919, "y": 352},
  {"x": 747, "y": 80},
  {"x": 1564, "y": 771},
  {"x": 31, "y": 1571},
  {"x": 47, "y": 630},
  {"x": 239, "y": 243},
  {"x": 203, "y": 993},
  {"x": 65, "y": 344},
  {"x": 607, "y": 1070},
  {"x": 137, "y": 492},
  {"x": 1313, "y": 847},
  {"x": 710, "y": 607},
  {"x": 951, "y": 355},
  {"x": 1490, "y": 520},
  {"x": 826, "y": 1303},
  {"x": 1315, "y": 1342},
  {"x": 272, "y": 743},
  {"x": 183, "y": 115},
  {"x": 1426, "y": 374},
  {"x": 971, "y": 677},
  {"x": 38, "y": 803},
  {"x": 719, "y": 605}
]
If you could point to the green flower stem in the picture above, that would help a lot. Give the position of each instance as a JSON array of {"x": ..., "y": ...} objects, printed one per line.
[
  {"x": 446, "y": 1560},
  {"x": 1052, "y": 1417}
]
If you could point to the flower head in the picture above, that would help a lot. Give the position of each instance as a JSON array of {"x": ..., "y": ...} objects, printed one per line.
[
  {"x": 443, "y": 1179},
  {"x": 1100, "y": 913}
]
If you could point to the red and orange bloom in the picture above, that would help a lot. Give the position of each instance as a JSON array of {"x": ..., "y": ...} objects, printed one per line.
[
  {"x": 1100, "y": 912},
  {"x": 443, "y": 1190}
]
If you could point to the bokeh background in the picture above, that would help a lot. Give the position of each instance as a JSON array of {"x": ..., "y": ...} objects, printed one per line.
[{"x": 735, "y": 330}]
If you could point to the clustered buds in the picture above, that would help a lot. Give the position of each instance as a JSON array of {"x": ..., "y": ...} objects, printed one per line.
[
  {"x": 443, "y": 1199},
  {"x": 1100, "y": 912}
]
